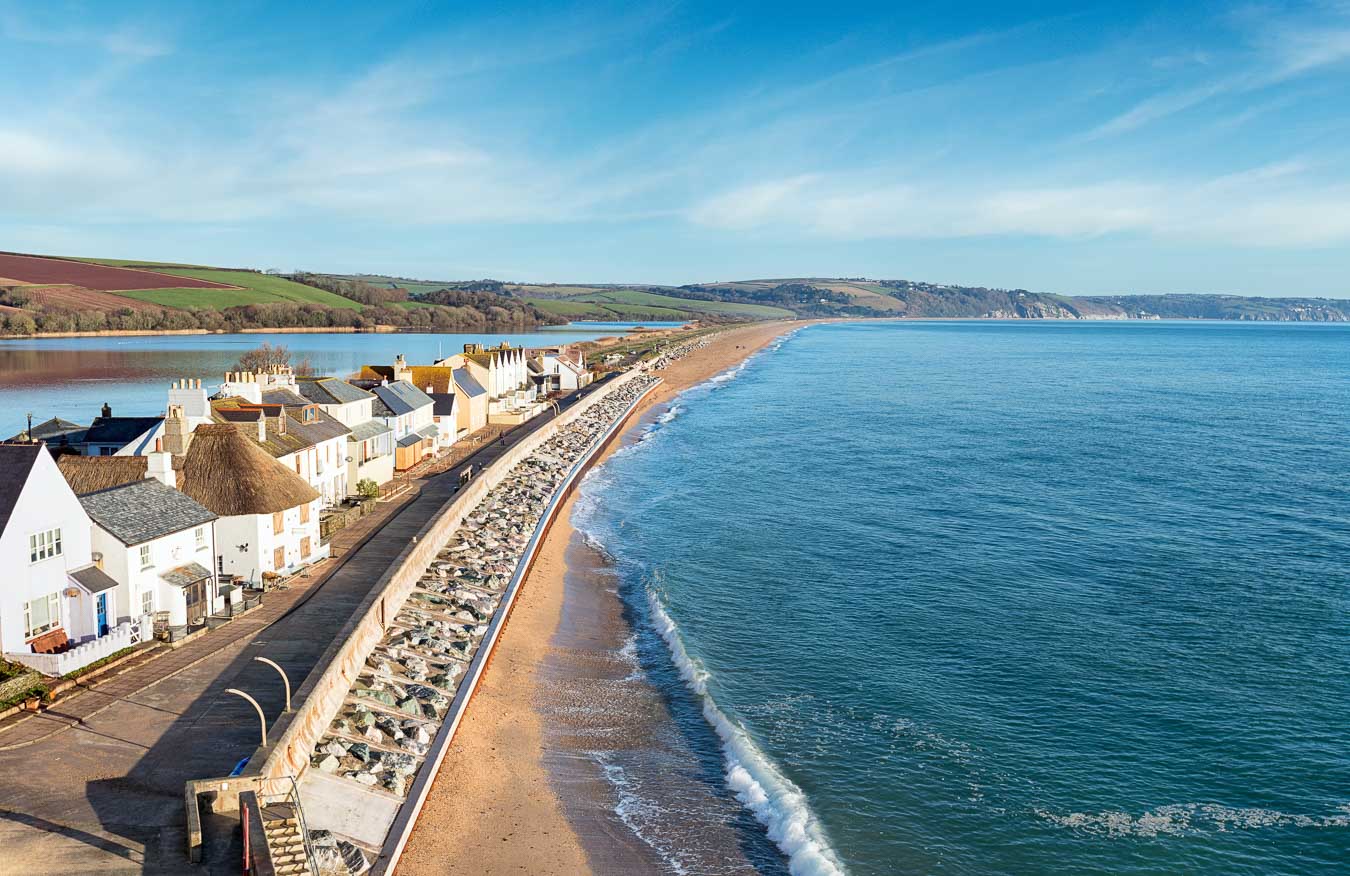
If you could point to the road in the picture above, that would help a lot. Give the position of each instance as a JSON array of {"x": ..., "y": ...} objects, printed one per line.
[{"x": 97, "y": 786}]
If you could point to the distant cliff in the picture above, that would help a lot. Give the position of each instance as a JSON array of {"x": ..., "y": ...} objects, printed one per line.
[{"x": 817, "y": 297}]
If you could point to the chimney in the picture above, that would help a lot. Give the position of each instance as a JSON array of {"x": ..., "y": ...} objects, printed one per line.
[
  {"x": 177, "y": 433},
  {"x": 159, "y": 465},
  {"x": 189, "y": 395},
  {"x": 107, "y": 410},
  {"x": 262, "y": 427},
  {"x": 281, "y": 422},
  {"x": 401, "y": 369}
]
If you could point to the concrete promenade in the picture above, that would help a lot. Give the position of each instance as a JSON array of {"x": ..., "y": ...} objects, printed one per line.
[{"x": 96, "y": 784}]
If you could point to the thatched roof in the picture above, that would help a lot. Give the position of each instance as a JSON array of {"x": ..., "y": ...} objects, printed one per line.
[
  {"x": 231, "y": 475},
  {"x": 89, "y": 474}
]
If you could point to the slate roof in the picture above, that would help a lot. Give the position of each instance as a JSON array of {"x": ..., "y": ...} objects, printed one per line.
[
  {"x": 330, "y": 390},
  {"x": 431, "y": 430},
  {"x": 119, "y": 430},
  {"x": 443, "y": 404},
  {"x": 401, "y": 397},
  {"x": 470, "y": 387},
  {"x": 189, "y": 573},
  {"x": 94, "y": 579},
  {"x": 298, "y": 435},
  {"x": 409, "y": 440},
  {"x": 53, "y": 428},
  {"x": 143, "y": 511},
  {"x": 367, "y": 430},
  {"x": 284, "y": 397},
  {"x": 16, "y": 461}
]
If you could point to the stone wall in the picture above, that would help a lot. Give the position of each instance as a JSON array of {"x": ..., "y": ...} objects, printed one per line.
[{"x": 295, "y": 734}]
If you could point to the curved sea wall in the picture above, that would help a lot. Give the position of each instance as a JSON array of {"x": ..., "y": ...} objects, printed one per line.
[{"x": 374, "y": 720}]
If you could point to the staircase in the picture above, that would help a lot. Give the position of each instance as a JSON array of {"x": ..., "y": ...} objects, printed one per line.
[
  {"x": 285, "y": 843},
  {"x": 276, "y": 840}
]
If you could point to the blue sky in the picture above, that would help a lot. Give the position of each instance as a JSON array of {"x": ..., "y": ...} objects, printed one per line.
[{"x": 1056, "y": 147}]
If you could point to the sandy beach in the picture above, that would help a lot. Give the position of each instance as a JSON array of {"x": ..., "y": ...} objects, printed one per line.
[{"x": 495, "y": 807}]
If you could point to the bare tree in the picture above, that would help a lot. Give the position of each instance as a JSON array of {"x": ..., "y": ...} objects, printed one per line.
[{"x": 263, "y": 357}]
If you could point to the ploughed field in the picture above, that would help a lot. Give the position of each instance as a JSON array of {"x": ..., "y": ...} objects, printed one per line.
[{"x": 37, "y": 270}]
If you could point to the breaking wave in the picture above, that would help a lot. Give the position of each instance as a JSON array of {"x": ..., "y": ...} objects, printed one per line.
[{"x": 751, "y": 775}]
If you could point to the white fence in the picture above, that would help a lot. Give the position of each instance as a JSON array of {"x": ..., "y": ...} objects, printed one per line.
[{"x": 124, "y": 635}]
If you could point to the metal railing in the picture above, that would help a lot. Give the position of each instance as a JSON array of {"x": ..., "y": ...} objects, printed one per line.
[{"x": 291, "y": 795}]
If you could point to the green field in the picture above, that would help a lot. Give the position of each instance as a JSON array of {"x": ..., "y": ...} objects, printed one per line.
[
  {"x": 256, "y": 288},
  {"x": 653, "y": 301}
]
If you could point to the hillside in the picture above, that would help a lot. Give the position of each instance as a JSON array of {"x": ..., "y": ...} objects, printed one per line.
[
  {"x": 54, "y": 294},
  {"x": 48, "y": 294},
  {"x": 573, "y": 301},
  {"x": 818, "y": 297}
]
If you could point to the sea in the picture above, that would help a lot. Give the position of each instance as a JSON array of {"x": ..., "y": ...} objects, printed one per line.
[
  {"x": 73, "y": 378},
  {"x": 992, "y": 598}
]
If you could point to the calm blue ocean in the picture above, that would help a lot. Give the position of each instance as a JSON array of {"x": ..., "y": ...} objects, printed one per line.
[{"x": 1023, "y": 598}]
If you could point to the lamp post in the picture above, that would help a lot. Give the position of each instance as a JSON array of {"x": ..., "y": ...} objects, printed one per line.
[
  {"x": 262, "y": 721},
  {"x": 284, "y": 679}
]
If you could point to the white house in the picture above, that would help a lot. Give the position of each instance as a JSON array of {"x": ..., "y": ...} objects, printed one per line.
[
  {"x": 563, "y": 368},
  {"x": 159, "y": 546},
  {"x": 410, "y": 412},
  {"x": 268, "y": 516},
  {"x": 56, "y": 604},
  {"x": 370, "y": 443}
]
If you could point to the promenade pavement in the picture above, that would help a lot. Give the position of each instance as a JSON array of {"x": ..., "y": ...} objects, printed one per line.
[{"x": 95, "y": 784}]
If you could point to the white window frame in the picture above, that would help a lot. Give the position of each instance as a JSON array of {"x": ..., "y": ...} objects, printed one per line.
[
  {"x": 200, "y": 536},
  {"x": 53, "y": 616},
  {"x": 147, "y": 560},
  {"x": 148, "y": 602},
  {"x": 44, "y": 545}
]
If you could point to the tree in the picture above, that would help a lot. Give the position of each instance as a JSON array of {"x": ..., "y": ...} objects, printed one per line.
[
  {"x": 367, "y": 489},
  {"x": 264, "y": 357}
]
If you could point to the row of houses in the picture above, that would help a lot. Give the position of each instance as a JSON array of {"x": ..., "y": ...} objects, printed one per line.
[{"x": 138, "y": 521}]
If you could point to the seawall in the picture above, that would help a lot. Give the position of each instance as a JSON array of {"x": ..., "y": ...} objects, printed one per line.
[{"x": 320, "y": 696}]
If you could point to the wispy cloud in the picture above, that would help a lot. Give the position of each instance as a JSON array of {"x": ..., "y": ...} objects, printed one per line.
[
  {"x": 1280, "y": 51},
  {"x": 123, "y": 40},
  {"x": 1255, "y": 207}
]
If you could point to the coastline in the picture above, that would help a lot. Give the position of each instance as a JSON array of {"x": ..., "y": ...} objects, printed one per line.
[{"x": 497, "y": 776}]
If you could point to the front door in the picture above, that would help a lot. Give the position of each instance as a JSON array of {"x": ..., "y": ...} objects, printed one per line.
[
  {"x": 195, "y": 596},
  {"x": 101, "y": 602}
]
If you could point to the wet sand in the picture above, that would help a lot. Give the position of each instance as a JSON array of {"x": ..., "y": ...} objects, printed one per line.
[{"x": 514, "y": 794}]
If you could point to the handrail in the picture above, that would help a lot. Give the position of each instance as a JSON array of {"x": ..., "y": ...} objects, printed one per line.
[{"x": 293, "y": 797}]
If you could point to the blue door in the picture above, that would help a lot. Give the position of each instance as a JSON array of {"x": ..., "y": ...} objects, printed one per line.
[{"x": 102, "y": 604}]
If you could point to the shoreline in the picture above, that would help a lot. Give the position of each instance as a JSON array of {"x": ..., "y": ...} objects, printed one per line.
[{"x": 496, "y": 777}]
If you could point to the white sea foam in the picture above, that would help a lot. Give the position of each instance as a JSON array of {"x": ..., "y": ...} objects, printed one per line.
[
  {"x": 675, "y": 410},
  {"x": 636, "y": 812},
  {"x": 1190, "y": 819},
  {"x": 751, "y": 774}
]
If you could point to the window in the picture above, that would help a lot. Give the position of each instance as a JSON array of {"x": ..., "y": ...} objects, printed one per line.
[
  {"x": 148, "y": 602},
  {"x": 200, "y": 534},
  {"x": 297, "y": 464},
  {"x": 278, "y": 523},
  {"x": 146, "y": 561},
  {"x": 41, "y": 615},
  {"x": 304, "y": 513},
  {"x": 44, "y": 545}
]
